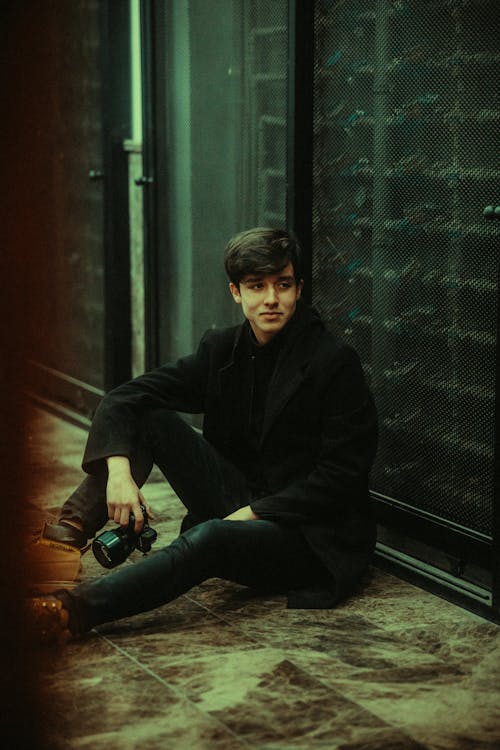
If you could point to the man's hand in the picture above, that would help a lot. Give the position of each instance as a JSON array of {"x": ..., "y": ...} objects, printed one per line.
[
  {"x": 123, "y": 496},
  {"x": 242, "y": 514}
]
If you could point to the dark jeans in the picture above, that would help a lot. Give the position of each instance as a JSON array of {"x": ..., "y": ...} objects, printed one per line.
[{"x": 262, "y": 554}]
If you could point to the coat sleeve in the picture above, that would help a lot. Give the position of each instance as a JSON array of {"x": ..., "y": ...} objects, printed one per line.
[
  {"x": 338, "y": 482},
  {"x": 179, "y": 386}
]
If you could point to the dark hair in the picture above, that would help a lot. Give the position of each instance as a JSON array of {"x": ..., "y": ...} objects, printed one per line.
[{"x": 262, "y": 251}]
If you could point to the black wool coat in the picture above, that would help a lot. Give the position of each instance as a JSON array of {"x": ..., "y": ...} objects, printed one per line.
[{"x": 317, "y": 444}]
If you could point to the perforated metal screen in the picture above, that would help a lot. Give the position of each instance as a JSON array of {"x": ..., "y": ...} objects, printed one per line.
[{"x": 404, "y": 264}]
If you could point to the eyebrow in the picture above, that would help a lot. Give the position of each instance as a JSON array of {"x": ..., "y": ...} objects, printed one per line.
[{"x": 253, "y": 279}]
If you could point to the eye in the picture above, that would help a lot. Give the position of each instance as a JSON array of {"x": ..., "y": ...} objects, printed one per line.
[
  {"x": 257, "y": 286},
  {"x": 285, "y": 285}
]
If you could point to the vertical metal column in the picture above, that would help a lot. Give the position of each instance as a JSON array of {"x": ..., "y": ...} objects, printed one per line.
[
  {"x": 300, "y": 128},
  {"x": 495, "y": 561},
  {"x": 381, "y": 302},
  {"x": 117, "y": 121},
  {"x": 150, "y": 65}
]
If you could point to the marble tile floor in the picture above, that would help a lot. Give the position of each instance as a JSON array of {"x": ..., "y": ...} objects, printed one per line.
[{"x": 395, "y": 668}]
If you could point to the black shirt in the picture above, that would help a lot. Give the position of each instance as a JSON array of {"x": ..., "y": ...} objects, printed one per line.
[{"x": 262, "y": 361}]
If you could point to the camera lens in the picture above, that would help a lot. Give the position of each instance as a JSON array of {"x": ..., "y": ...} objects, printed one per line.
[{"x": 111, "y": 548}]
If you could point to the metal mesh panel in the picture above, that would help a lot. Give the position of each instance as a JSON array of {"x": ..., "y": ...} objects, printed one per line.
[
  {"x": 266, "y": 63},
  {"x": 404, "y": 265}
]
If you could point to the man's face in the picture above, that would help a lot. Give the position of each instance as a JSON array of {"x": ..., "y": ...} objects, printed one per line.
[{"x": 268, "y": 302}]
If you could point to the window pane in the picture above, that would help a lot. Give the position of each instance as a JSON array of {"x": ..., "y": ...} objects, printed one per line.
[
  {"x": 225, "y": 141},
  {"x": 72, "y": 323}
]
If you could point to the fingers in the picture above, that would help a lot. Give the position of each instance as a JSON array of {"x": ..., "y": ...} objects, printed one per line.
[
  {"x": 242, "y": 514},
  {"x": 123, "y": 516},
  {"x": 120, "y": 514},
  {"x": 149, "y": 510},
  {"x": 124, "y": 498},
  {"x": 139, "y": 518}
]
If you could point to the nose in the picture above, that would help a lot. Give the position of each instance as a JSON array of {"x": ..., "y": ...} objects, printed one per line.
[{"x": 271, "y": 297}]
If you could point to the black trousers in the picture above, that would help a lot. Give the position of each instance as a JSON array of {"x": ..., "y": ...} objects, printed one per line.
[{"x": 261, "y": 554}]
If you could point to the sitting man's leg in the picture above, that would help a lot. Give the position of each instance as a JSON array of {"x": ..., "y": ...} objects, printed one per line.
[
  {"x": 208, "y": 486},
  {"x": 55, "y": 556},
  {"x": 260, "y": 554},
  {"x": 206, "y": 483}
]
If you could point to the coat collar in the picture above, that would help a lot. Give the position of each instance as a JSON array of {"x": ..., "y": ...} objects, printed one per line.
[{"x": 297, "y": 345}]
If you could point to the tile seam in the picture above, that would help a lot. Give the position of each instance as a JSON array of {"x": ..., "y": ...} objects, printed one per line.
[{"x": 179, "y": 693}]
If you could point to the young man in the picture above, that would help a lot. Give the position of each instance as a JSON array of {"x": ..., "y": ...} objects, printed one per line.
[{"x": 276, "y": 488}]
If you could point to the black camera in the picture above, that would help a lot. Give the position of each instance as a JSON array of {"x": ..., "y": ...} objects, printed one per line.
[{"x": 111, "y": 548}]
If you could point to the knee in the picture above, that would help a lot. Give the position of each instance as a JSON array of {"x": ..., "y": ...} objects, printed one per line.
[
  {"x": 159, "y": 426},
  {"x": 207, "y": 532},
  {"x": 208, "y": 537},
  {"x": 204, "y": 545}
]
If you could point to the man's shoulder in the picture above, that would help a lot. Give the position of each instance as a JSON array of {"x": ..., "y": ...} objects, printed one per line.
[
  {"x": 314, "y": 336},
  {"x": 221, "y": 336},
  {"x": 332, "y": 352},
  {"x": 220, "y": 341},
  {"x": 330, "y": 342}
]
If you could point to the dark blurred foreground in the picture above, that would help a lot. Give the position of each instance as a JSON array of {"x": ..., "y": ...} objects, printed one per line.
[{"x": 22, "y": 256}]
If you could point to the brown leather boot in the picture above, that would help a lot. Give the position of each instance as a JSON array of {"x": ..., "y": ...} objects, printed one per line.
[
  {"x": 49, "y": 620},
  {"x": 54, "y": 558}
]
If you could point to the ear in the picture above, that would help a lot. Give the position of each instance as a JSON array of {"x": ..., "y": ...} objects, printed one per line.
[
  {"x": 235, "y": 292},
  {"x": 300, "y": 286}
]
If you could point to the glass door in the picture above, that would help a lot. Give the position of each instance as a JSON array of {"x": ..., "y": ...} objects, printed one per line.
[
  {"x": 219, "y": 104},
  {"x": 72, "y": 324}
]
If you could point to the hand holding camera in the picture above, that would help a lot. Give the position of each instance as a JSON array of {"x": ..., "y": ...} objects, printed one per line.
[
  {"x": 111, "y": 548},
  {"x": 127, "y": 507},
  {"x": 123, "y": 496}
]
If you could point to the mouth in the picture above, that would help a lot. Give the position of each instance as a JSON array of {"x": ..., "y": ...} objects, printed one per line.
[{"x": 271, "y": 315}]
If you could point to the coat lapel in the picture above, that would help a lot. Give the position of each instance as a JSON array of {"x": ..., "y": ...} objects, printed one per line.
[
  {"x": 234, "y": 376},
  {"x": 291, "y": 366},
  {"x": 285, "y": 383},
  {"x": 234, "y": 379}
]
